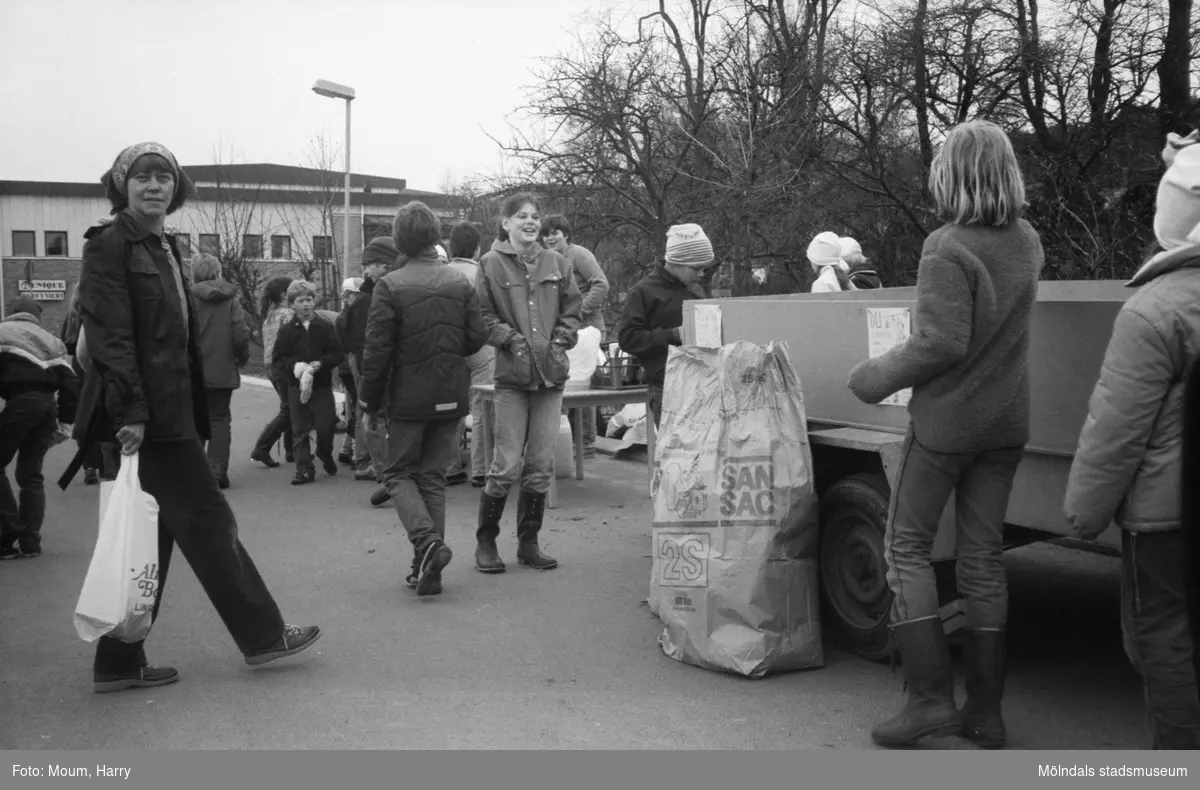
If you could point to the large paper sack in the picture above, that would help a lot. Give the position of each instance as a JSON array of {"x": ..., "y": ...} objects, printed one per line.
[
  {"x": 734, "y": 575},
  {"x": 118, "y": 593}
]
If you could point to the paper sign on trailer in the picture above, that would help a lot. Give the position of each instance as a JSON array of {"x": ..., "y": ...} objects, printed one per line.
[{"x": 887, "y": 328}]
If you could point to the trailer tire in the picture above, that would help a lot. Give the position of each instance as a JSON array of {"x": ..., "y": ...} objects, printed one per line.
[{"x": 854, "y": 588}]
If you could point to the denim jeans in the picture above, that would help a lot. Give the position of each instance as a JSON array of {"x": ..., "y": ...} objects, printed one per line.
[
  {"x": 418, "y": 454},
  {"x": 220, "y": 423},
  {"x": 526, "y": 431},
  {"x": 1158, "y": 638},
  {"x": 194, "y": 514},
  {"x": 981, "y": 483},
  {"x": 481, "y": 373},
  {"x": 27, "y": 427},
  {"x": 321, "y": 413}
]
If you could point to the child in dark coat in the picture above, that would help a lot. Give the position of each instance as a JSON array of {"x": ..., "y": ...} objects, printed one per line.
[{"x": 307, "y": 353}]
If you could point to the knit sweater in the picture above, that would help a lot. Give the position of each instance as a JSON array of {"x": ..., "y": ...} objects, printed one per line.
[{"x": 966, "y": 360}]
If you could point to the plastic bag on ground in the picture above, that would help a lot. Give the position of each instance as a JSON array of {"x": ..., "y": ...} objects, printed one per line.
[
  {"x": 735, "y": 560},
  {"x": 117, "y": 599}
]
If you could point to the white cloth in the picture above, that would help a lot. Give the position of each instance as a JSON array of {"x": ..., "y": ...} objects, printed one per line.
[
  {"x": 827, "y": 282},
  {"x": 304, "y": 372}
]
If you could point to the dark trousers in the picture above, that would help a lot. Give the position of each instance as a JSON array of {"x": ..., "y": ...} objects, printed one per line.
[
  {"x": 656, "y": 397},
  {"x": 220, "y": 423},
  {"x": 194, "y": 514},
  {"x": 281, "y": 423},
  {"x": 419, "y": 454},
  {"x": 321, "y": 413},
  {"x": 27, "y": 427},
  {"x": 1158, "y": 638}
]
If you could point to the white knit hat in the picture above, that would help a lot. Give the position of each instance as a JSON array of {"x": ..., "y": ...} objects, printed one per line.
[
  {"x": 825, "y": 250},
  {"x": 687, "y": 245},
  {"x": 849, "y": 247},
  {"x": 352, "y": 284},
  {"x": 1177, "y": 210}
]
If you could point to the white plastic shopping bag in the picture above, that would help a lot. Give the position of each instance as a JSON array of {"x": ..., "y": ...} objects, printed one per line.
[
  {"x": 117, "y": 599},
  {"x": 585, "y": 356}
]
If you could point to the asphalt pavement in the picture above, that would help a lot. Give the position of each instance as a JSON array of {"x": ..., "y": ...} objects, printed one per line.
[{"x": 562, "y": 659}]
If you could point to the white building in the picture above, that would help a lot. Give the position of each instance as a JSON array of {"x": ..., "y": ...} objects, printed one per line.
[{"x": 286, "y": 219}]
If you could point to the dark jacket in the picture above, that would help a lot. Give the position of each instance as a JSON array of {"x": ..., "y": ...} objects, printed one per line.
[
  {"x": 651, "y": 319},
  {"x": 222, "y": 334},
  {"x": 354, "y": 335},
  {"x": 533, "y": 319},
  {"x": 145, "y": 366},
  {"x": 33, "y": 360},
  {"x": 339, "y": 326},
  {"x": 1127, "y": 466},
  {"x": 317, "y": 343},
  {"x": 424, "y": 321}
]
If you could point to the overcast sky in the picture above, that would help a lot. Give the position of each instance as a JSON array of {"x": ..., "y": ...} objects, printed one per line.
[{"x": 81, "y": 79}]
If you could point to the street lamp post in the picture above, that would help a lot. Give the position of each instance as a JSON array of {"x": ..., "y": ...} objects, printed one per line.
[{"x": 334, "y": 91}]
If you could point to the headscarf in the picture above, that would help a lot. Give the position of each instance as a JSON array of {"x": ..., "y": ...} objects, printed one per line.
[{"x": 125, "y": 160}]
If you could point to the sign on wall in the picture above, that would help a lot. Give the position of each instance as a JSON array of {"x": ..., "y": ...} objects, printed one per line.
[{"x": 44, "y": 290}]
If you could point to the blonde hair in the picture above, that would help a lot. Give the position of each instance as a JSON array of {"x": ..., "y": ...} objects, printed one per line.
[
  {"x": 975, "y": 178},
  {"x": 205, "y": 267},
  {"x": 300, "y": 288}
]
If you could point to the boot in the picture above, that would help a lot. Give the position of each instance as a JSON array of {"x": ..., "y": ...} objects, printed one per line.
[
  {"x": 985, "y": 660},
  {"x": 929, "y": 676},
  {"x": 531, "y": 508},
  {"x": 491, "y": 510}
]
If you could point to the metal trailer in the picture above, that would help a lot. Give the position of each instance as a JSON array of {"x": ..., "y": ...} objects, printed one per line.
[{"x": 856, "y": 446}]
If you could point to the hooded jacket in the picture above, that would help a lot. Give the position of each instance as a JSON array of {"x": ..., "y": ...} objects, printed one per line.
[
  {"x": 1127, "y": 467},
  {"x": 221, "y": 333},
  {"x": 33, "y": 360},
  {"x": 532, "y": 316}
]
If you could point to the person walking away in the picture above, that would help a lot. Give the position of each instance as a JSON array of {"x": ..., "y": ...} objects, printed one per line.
[
  {"x": 653, "y": 311},
  {"x": 966, "y": 362},
  {"x": 593, "y": 290},
  {"x": 349, "y": 293},
  {"x": 40, "y": 390},
  {"x": 1128, "y": 467},
  {"x": 530, "y": 303},
  {"x": 464, "y": 247},
  {"x": 140, "y": 335},
  {"x": 276, "y": 314},
  {"x": 424, "y": 322},
  {"x": 307, "y": 353},
  {"x": 379, "y": 257},
  {"x": 825, "y": 256},
  {"x": 224, "y": 342}
]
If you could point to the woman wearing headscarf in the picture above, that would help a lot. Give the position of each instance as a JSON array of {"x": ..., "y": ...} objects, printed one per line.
[{"x": 147, "y": 393}]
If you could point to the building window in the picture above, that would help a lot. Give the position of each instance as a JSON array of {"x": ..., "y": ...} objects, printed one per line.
[
  {"x": 56, "y": 243},
  {"x": 24, "y": 244},
  {"x": 252, "y": 247},
  {"x": 281, "y": 247},
  {"x": 183, "y": 241},
  {"x": 322, "y": 248},
  {"x": 210, "y": 243}
]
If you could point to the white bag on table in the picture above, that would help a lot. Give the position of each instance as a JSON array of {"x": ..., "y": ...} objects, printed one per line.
[
  {"x": 117, "y": 599},
  {"x": 585, "y": 356}
]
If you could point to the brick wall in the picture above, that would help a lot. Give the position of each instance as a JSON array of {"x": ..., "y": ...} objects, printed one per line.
[{"x": 17, "y": 269}]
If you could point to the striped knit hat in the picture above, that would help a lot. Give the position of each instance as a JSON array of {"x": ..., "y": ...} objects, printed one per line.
[{"x": 688, "y": 246}]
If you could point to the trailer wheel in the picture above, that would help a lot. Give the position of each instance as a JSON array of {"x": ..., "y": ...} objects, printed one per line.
[{"x": 854, "y": 514}]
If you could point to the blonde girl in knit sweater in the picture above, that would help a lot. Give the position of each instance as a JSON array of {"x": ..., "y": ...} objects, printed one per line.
[{"x": 969, "y": 421}]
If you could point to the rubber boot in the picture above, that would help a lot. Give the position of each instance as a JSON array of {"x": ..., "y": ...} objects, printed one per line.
[
  {"x": 985, "y": 665},
  {"x": 929, "y": 677},
  {"x": 487, "y": 557},
  {"x": 531, "y": 508}
]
